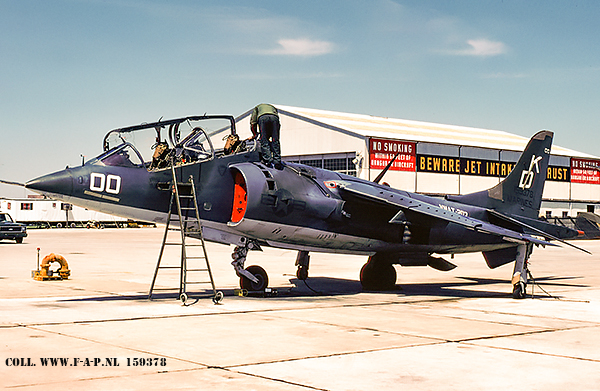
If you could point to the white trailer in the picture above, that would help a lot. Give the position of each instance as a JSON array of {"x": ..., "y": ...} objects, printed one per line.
[{"x": 46, "y": 212}]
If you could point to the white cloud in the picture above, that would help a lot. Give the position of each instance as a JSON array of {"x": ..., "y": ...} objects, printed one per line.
[
  {"x": 302, "y": 47},
  {"x": 482, "y": 48}
]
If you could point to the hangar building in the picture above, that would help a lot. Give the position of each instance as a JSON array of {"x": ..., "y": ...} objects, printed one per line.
[{"x": 433, "y": 159}]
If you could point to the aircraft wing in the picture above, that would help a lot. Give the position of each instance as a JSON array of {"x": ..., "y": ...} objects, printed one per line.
[{"x": 404, "y": 203}]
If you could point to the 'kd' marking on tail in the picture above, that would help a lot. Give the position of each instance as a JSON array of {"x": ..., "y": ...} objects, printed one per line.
[{"x": 527, "y": 175}]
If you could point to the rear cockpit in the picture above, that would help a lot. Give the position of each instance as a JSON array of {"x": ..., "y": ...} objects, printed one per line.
[{"x": 156, "y": 146}]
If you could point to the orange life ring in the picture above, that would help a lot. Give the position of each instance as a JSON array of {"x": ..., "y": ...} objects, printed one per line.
[{"x": 64, "y": 271}]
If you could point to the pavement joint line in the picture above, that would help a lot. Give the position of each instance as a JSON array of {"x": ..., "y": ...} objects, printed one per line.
[
  {"x": 520, "y": 334},
  {"x": 534, "y": 352},
  {"x": 535, "y": 316},
  {"x": 339, "y": 354},
  {"x": 360, "y": 328},
  {"x": 270, "y": 379},
  {"x": 231, "y": 367},
  {"x": 587, "y": 323},
  {"x": 236, "y": 312},
  {"x": 130, "y": 375},
  {"x": 442, "y": 339},
  {"x": 441, "y": 342},
  {"x": 266, "y": 310},
  {"x": 505, "y": 323}
]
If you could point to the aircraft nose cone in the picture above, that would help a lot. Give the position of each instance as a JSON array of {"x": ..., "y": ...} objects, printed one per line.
[{"x": 58, "y": 183}]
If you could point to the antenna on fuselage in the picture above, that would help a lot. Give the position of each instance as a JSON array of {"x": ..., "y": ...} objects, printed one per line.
[{"x": 385, "y": 170}]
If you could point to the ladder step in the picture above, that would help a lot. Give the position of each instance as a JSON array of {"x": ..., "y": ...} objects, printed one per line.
[{"x": 169, "y": 267}]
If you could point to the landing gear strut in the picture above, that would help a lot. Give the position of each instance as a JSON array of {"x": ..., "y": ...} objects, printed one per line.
[
  {"x": 519, "y": 279},
  {"x": 378, "y": 274},
  {"x": 253, "y": 278}
]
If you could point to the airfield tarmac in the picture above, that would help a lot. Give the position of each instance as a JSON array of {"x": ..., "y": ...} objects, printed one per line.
[{"x": 439, "y": 331}]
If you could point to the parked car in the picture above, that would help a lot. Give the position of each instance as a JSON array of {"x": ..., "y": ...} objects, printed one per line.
[{"x": 11, "y": 230}]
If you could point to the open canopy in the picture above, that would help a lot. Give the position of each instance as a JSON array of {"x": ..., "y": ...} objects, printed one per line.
[{"x": 153, "y": 145}]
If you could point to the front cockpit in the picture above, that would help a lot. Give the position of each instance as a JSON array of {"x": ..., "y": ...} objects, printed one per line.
[{"x": 157, "y": 146}]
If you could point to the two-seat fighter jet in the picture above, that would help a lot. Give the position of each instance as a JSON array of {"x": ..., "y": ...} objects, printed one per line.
[{"x": 247, "y": 204}]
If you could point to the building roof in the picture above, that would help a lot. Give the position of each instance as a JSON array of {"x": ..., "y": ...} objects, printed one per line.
[{"x": 371, "y": 126}]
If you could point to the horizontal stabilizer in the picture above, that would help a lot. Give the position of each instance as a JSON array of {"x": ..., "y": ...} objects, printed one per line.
[{"x": 539, "y": 231}]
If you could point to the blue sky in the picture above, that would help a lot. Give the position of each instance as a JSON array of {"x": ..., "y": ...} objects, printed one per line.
[{"x": 70, "y": 70}]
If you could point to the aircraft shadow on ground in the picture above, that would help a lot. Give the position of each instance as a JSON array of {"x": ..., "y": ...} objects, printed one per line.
[{"x": 465, "y": 287}]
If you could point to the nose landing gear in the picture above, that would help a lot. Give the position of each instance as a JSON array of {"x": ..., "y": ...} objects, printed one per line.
[{"x": 252, "y": 278}]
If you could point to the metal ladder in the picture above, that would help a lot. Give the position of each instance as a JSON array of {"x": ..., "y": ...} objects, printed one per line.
[{"x": 187, "y": 219}]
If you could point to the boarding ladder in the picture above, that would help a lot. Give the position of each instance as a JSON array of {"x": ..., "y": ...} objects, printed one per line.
[{"x": 193, "y": 269}]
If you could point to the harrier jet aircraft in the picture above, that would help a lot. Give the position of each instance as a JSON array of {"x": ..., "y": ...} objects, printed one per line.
[{"x": 247, "y": 204}]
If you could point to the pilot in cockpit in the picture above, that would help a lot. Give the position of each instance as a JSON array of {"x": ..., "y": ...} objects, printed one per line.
[{"x": 159, "y": 158}]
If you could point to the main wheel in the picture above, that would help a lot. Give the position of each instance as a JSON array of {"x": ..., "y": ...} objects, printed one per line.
[
  {"x": 19, "y": 240},
  {"x": 378, "y": 276},
  {"x": 261, "y": 276}
]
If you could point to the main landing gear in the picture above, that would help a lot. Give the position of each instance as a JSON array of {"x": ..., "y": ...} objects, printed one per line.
[
  {"x": 519, "y": 279},
  {"x": 253, "y": 278},
  {"x": 378, "y": 274}
]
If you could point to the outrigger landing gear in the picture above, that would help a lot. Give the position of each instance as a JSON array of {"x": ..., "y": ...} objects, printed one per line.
[
  {"x": 302, "y": 261},
  {"x": 378, "y": 274},
  {"x": 519, "y": 279},
  {"x": 253, "y": 278}
]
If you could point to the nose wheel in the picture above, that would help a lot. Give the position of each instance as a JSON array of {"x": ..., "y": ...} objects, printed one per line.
[{"x": 260, "y": 276}]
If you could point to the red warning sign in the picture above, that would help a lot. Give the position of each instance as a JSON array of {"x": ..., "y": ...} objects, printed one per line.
[
  {"x": 585, "y": 171},
  {"x": 382, "y": 151}
]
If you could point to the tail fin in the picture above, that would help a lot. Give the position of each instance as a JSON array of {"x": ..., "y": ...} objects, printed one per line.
[{"x": 520, "y": 193}]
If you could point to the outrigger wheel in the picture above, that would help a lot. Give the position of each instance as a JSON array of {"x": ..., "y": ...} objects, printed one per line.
[
  {"x": 519, "y": 290},
  {"x": 260, "y": 274}
]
